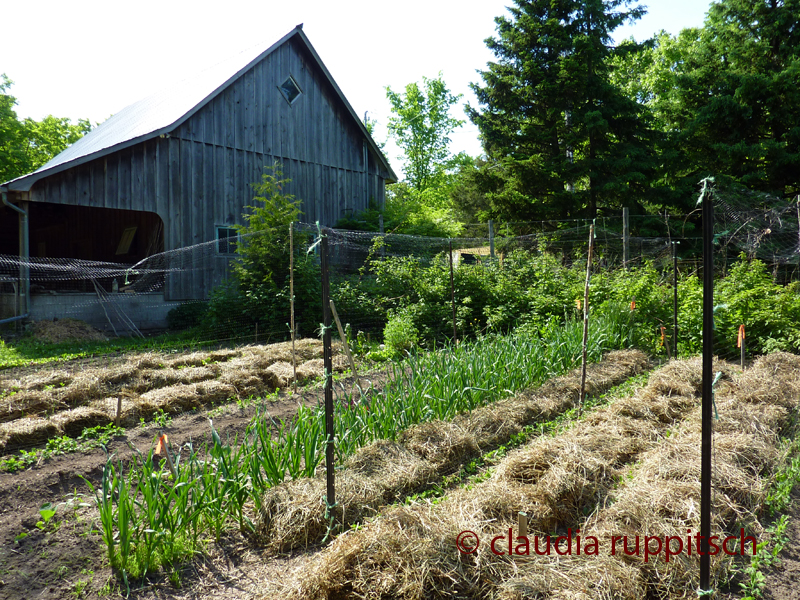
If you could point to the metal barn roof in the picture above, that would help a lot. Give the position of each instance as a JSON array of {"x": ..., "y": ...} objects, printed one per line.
[{"x": 163, "y": 111}]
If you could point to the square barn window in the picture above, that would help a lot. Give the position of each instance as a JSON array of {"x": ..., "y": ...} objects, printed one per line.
[
  {"x": 226, "y": 240},
  {"x": 290, "y": 90}
]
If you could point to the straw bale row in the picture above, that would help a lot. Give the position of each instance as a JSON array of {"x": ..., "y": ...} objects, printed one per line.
[
  {"x": 293, "y": 514},
  {"x": 244, "y": 372},
  {"x": 663, "y": 496},
  {"x": 426, "y": 452},
  {"x": 495, "y": 424},
  {"x": 410, "y": 552},
  {"x": 32, "y": 431},
  {"x": 147, "y": 384}
]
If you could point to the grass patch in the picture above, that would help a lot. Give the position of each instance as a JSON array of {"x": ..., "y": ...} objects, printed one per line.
[{"x": 28, "y": 350}]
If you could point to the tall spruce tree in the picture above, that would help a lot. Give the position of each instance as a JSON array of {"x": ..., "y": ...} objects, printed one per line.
[
  {"x": 570, "y": 142},
  {"x": 742, "y": 90}
]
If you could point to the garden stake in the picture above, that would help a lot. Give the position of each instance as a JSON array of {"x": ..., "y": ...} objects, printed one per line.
[
  {"x": 707, "y": 203},
  {"x": 675, "y": 297},
  {"x": 453, "y": 294},
  {"x": 328, "y": 365},
  {"x": 740, "y": 342},
  {"x": 291, "y": 303},
  {"x": 344, "y": 340},
  {"x": 586, "y": 318}
]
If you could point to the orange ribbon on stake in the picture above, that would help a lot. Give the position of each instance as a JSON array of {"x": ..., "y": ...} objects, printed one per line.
[
  {"x": 662, "y": 335},
  {"x": 633, "y": 304},
  {"x": 161, "y": 446},
  {"x": 741, "y": 336}
]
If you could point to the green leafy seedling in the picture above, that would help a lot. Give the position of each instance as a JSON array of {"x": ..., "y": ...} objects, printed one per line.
[{"x": 47, "y": 511}]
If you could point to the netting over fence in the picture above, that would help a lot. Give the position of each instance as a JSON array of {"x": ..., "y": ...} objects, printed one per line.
[{"x": 503, "y": 275}]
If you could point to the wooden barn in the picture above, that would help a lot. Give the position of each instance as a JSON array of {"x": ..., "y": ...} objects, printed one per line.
[{"x": 176, "y": 169}]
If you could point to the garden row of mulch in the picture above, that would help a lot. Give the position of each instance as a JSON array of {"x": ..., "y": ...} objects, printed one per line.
[
  {"x": 58, "y": 401},
  {"x": 293, "y": 513},
  {"x": 629, "y": 468}
]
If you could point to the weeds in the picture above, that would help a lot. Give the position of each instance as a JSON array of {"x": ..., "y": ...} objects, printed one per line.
[
  {"x": 768, "y": 551},
  {"x": 90, "y": 438},
  {"x": 766, "y": 557}
]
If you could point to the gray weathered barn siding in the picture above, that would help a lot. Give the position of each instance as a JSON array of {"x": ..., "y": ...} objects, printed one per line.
[{"x": 199, "y": 175}]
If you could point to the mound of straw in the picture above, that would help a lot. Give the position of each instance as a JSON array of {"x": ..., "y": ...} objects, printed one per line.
[
  {"x": 224, "y": 374},
  {"x": 294, "y": 516},
  {"x": 66, "y": 330},
  {"x": 27, "y": 432},
  {"x": 663, "y": 498},
  {"x": 50, "y": 379},
  {"x": 493, "y": 425},
  {"x": 183, "y": 397},
  {"x": 72, "y": 422},
  {"x": 556, "y": 480},
  {"x": 26, "y": 402},
  {"x": 84, "y": 388}
]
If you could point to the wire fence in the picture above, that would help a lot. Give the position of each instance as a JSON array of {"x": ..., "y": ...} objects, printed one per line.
[{"x": 496, "y": 276}]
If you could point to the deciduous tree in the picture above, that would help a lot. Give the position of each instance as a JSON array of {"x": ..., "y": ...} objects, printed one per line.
[
  {"x": 421, "y": 125},
  {"x": 27, "y": 145}
]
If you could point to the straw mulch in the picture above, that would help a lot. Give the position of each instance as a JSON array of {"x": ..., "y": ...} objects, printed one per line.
[
  {"x": 591, "y": 468},
  {"x": 27, "y": 432},
  {"x": 72, "y": 422},
  {"x": 493, "y": 425},
  {"x": 662, "y": 497},
  {"x": 26, "y": 402},
  {"x": 294, "y": 514},
  {"x": 66, "y": 330},
  {"x": 155, "y": 381}
]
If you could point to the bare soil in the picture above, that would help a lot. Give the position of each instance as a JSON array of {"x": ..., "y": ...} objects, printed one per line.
[{"x": 783, "y": 583}]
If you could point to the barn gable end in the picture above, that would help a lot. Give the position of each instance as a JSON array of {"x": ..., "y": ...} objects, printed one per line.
[{"x": 194, "y": 174}]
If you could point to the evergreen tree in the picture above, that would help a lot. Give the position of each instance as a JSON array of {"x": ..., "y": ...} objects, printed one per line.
[
  {"x": 742, "y": 90},
  {"x": 570, "y": 142}
]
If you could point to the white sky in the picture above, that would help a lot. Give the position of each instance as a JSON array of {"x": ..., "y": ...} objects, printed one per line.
[{"x": 90, "y": 58}]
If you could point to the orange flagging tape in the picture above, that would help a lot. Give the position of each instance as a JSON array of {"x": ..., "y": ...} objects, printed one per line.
[
  {"x": 741, "y": 336},
  {"x": 161, "y": 446}
]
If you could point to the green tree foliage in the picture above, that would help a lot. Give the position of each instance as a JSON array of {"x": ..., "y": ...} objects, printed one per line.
[
  {"x": 264, "y": 247},
  {"x": 12, "y": 156},
  {"x": 50, "y": 136},
  {"x": 421, "y": 125},
  {"x": 567, "y": 141},
  {"x": 28, "y": 144},
  {"x": 260, "y": 288},
  {"x": 727, "y": 96},
  {"x": 745, "y": 93},
  {"x": 536, "y": 289}
]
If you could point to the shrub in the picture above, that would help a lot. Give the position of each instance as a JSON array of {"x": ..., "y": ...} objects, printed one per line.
[
  {"x": 187, "y": 315},
  {"x": 400, "y": 334}
]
